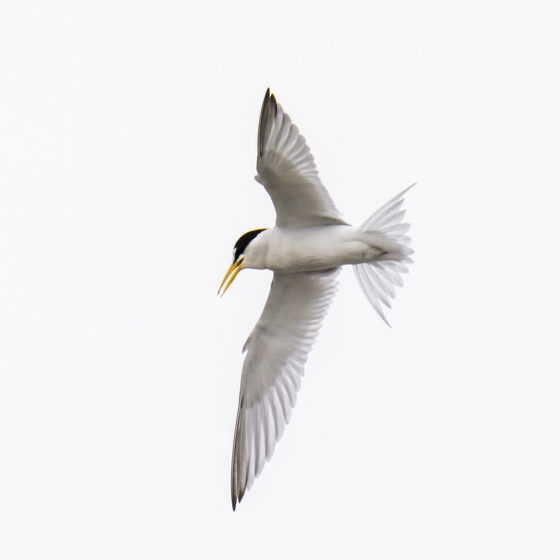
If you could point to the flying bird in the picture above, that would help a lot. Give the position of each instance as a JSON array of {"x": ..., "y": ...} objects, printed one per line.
[{"x": 305, "y": 250}]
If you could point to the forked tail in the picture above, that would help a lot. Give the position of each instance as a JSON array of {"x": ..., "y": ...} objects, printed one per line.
[{"x": 378, "y": 279}]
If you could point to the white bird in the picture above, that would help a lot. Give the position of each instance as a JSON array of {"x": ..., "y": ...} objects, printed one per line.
[{"x": 305, "y": 250}]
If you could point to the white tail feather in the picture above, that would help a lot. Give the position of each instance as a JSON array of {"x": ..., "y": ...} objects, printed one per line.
[{"x": 378, "y": 279}]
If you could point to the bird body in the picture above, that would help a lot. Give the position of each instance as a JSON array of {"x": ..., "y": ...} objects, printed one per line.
[
  {"x": 313, "y": 248},
  {"x": 305, "y": 250}
]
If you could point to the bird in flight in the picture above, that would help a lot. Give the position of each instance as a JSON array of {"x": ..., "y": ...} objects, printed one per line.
[{"x": 305, "y": 250}]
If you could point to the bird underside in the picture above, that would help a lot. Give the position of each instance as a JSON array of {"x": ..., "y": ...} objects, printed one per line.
[{"x": 308, "y": 249}]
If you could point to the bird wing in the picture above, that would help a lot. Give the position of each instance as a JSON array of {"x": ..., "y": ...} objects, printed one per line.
[
  {"x": 287, "y": 171},
  {"x": 277, "y": 350}
]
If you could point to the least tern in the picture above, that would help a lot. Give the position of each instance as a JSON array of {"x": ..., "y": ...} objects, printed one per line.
[{"x": 305, "y": 250}]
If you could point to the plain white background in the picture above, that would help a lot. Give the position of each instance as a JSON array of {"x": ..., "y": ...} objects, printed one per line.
[{"x": 128, "y": 136}]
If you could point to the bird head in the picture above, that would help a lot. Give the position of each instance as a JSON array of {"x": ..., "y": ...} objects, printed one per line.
[{"x": 239, "y": 250}]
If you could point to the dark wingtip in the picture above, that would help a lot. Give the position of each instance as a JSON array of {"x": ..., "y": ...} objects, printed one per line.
[
  {"x": 236, "y": 500},
  {"x": 264, "y": 119}
]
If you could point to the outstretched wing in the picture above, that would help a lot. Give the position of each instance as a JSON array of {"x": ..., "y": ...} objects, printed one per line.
[
  {"x": 277, "y": 350},
  {"x": 287, "y": 171}
]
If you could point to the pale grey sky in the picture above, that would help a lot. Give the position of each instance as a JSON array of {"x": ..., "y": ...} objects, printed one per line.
[{"x": 128, "y": 142}]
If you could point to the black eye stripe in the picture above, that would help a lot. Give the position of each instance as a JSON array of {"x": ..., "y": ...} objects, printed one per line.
[{"x": 243, "y": 241}]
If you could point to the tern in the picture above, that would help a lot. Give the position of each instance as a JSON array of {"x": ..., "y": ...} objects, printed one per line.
[{"x": 305, "y": 250}]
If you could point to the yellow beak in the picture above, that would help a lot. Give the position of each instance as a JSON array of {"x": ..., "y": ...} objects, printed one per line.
[{"x": 232, "y": 272}]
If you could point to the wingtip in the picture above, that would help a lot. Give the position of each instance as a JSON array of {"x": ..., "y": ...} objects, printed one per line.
[
  {"x": 269, "y": 99},
  {"x": 235, "y": 499},
  {"x": 269, "y": 105},
  {"x": 274, "y": 104}
]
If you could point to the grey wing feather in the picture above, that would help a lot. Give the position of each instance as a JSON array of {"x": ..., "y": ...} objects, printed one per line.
[
  {"x": 287, "y": 171},
  {"x": 277, "y": 351}
]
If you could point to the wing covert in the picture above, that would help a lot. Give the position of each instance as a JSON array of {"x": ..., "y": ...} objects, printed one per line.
[
  {"x": 287, "y": 171},
  {"x": 277, "y": 351}
]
